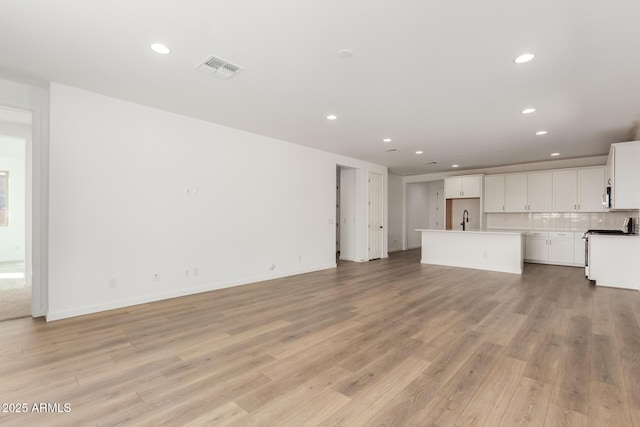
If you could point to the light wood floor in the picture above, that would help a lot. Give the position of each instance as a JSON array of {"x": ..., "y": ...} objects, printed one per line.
[{"x": 390, "y": 342}]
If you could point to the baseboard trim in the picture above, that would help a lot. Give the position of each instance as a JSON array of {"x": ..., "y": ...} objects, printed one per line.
[{"x": 65, "y": 314}]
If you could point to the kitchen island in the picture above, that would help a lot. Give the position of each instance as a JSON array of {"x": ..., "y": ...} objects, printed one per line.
[{"x": 484, "y": 250}]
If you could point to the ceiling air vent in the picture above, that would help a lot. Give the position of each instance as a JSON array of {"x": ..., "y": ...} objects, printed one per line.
[{"x": 219, "y": 67}]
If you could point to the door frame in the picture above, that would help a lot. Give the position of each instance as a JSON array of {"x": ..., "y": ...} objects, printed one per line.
[
  {"x": 380, "y": 209},
  {"x": 34, "y": 99}
]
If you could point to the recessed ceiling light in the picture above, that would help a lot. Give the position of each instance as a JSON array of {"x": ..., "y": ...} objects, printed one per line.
[
  {"x": 455, "y": 166},
  {"x": 525, "y": 57},
  {"x": 528, "y": 110},
  {"x": 160, "y": 48},
  {"x": 332, "y": 117},
  {"x": 386, "y": 140},
  {"x": 555, "y": 154},
  {"x": 345, "y": 53},
  {"x": 541, "y": 132},
  {"x": 418, "y": 152}
]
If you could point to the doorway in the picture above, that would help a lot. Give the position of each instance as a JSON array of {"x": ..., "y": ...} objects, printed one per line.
[
  {"x": 15, "y": 283},
  {"x": 346, "y": 213}
]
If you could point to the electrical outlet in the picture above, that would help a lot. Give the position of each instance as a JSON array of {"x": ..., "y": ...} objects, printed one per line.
[
  {"x": 113, "y": 283},
  {"x": 186, "y": 272},
  {"x": 156, "y": 277},
  {"x": 196, "y": 271},
  {"x": 299, "y": 257}
]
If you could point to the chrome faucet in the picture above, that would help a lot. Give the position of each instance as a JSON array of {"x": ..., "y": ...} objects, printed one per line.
[{"x": 465, "y": 218}]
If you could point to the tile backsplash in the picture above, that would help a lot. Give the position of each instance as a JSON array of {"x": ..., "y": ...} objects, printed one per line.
[{"x": 569, "y": 221}]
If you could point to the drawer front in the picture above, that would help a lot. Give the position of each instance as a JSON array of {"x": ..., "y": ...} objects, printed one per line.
[
  {"x": 561, "y": 235},
  {"x": 543, "y": 234}
]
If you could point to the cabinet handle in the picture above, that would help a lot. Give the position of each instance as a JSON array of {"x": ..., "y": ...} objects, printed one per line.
[{"x": 578, "y": 206}]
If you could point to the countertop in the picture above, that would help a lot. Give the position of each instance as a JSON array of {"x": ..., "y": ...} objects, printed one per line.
[{"x": 514, "y": 232}]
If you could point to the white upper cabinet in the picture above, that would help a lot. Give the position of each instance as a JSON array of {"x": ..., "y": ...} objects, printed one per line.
[
  {"x": 471, "y": 186},
  {"x": 624, "y": 170},
  {"x": 494, "y": 187},
  {"x": 591, "y": 188},
  {"x": 528, "y": 192},
  {"x": 462, "y": 187},
  {"x": 539, "y": 189},
  {"x": 515, "y": 193},
  {"x": 565, "y": 190},
  {"x": 578, "y": 190},
  {"x": 453, "y": 187}
]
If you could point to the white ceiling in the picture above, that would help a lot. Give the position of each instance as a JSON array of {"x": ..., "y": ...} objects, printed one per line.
[{"x": 432, "y": 75}]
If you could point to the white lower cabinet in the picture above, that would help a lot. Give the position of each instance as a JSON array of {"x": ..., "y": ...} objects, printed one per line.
[
  {"x": 552, "y": 247},
  {"x": 561, "y": 248},
  {"x": 579, "y": 254},
  {"x": 536, "y": 248}
]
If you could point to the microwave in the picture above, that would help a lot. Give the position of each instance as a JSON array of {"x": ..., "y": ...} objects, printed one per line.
[{"x": 607, "y": 200}]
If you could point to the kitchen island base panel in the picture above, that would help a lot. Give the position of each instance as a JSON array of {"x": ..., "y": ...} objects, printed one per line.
[
  {"x": 483, "y": 250},
  {"x": 613, "y": 261}
]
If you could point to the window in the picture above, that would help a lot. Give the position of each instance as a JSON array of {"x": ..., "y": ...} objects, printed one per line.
[{"x": 4, "y": 187}]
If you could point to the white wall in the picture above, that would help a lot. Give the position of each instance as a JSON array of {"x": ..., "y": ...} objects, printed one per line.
[
  {"x": 396, "y": 201},
  {"x": 120, "y": 209},
  {"x": 348, "y": 214},
  {"x": 12, "y": 236}
]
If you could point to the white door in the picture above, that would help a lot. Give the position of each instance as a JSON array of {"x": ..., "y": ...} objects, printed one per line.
[
  {"x": 376, "y": 232},
  {"x": 436, "y": 213}
]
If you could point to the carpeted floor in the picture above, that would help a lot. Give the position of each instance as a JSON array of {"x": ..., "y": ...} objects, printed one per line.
[
  {"x": 15, "y": 296},
  {"x": 15, "y": 303}
]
